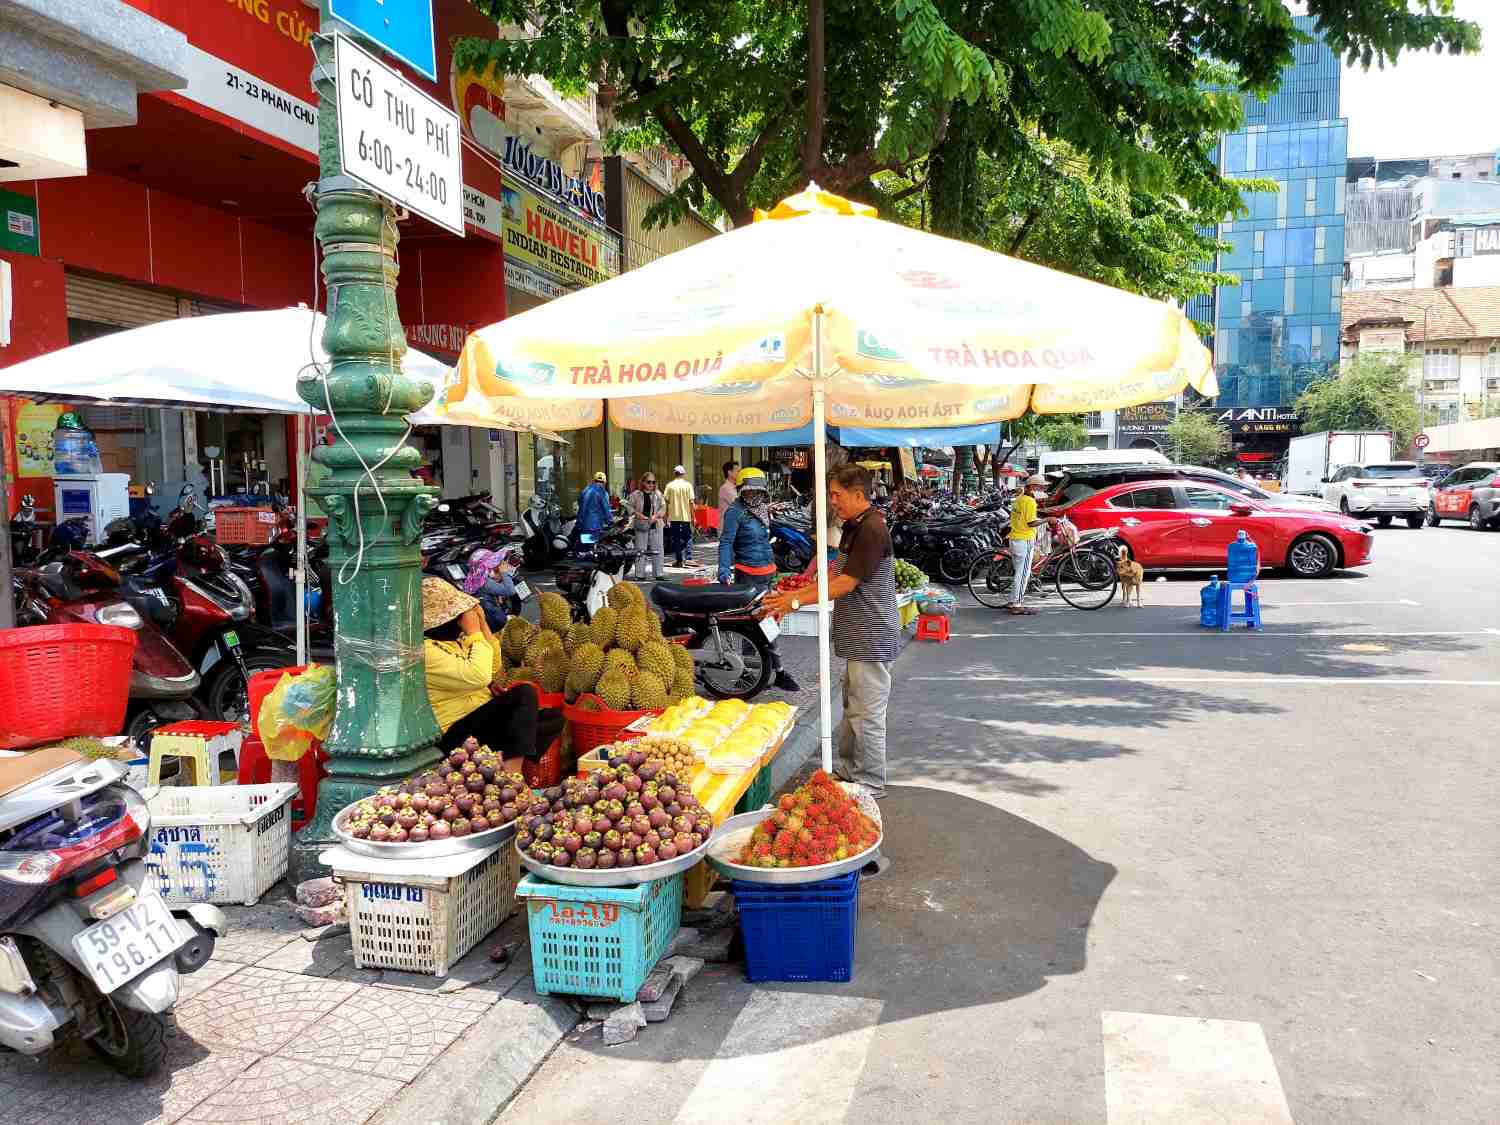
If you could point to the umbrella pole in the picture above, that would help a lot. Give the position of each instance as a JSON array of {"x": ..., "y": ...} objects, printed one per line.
[
  {"x": 820, "y": 509},
  {"x": 300, "y": 569}
]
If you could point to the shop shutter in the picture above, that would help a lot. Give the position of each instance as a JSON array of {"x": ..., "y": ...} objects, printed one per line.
[
  {"x": 195, "y": 307},
  {"x": 115, "y": 302}
]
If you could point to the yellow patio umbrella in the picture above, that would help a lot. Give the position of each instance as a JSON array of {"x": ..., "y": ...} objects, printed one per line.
[{"x": 821, "y": 312}]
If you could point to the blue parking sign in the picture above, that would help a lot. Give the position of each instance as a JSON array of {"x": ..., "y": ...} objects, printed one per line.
[{"x": 403, "y": 28}]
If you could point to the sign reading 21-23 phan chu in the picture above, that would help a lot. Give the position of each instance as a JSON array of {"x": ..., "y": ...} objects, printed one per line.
[{"x": 396, "y": 140}]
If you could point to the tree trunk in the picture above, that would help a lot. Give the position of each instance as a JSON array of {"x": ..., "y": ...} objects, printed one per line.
[
  {"x": 952, "y": 177},
  {"x": 812, "y": 138}
]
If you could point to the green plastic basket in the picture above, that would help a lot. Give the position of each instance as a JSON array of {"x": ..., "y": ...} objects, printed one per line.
[
  {"x": 758, "y": 794},
  {"x": 598, "y": 941}
]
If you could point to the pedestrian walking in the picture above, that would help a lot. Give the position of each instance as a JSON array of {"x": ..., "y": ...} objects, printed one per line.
[
  {"x": 649, "y": 517},
  {"x": 866, "y": 628},
  {"x": 727, "y": 490},
  {"x": 745, "y": 555},
  {"x": 1024, "y": 520},
  {"x": 679, "y": 495},
  {"x": 594, "y": 512}
]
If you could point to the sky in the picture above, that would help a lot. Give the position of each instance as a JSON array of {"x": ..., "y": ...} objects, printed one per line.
[{"x": 1429, "y": 104}]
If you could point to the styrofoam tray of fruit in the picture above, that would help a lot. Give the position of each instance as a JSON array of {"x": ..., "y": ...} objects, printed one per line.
[
  {"x": 466, "y": 803},
  {"x": 730, "y": 838},
  {"x": 622, "y": 825}
]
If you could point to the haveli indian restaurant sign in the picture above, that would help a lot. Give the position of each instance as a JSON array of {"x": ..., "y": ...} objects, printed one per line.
[{"x": 543, "y": 235}]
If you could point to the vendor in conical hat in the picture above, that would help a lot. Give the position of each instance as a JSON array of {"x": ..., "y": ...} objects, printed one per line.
[{"x": 461, "y": 656}]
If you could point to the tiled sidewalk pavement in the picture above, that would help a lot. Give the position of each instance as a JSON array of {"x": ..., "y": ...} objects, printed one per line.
[{"x": 277, "y": 1028}]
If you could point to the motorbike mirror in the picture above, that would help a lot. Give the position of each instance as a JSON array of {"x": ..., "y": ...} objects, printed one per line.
[{"x": 1240, "y": 509}]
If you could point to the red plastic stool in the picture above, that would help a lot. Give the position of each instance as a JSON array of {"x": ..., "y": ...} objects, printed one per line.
[
  {"x": 255, "y": 766},
  {"x": 932, "y": 627}
]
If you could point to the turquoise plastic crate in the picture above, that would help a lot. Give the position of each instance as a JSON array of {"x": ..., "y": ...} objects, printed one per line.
[
  {"x": 598, "y": 941},
  {"x": 758, "y": 794}
]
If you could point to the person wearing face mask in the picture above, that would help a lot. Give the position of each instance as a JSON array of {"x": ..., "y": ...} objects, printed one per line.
[
  {"x": 649, "y": 511},
  {"x": 1024, "y": 521},
  {"x": 745, "y": 554}
]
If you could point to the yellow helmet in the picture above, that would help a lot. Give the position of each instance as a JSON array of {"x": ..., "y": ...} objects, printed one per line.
[{"x": 751, "y": 476}]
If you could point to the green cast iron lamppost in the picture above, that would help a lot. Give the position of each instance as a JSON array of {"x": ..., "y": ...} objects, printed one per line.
[{"x": 383, "y": 728}]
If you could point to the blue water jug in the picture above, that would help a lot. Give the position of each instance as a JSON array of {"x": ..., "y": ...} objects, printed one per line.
[
  {"x": 1208, "y": 613},
  {"x": 1244, "y": 560}
]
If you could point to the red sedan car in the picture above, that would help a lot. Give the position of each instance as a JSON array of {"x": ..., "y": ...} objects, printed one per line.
[{"x": 1188, "y": 525}]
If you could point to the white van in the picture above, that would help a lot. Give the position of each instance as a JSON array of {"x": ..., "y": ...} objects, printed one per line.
[{"x": 1056, "y": 460}]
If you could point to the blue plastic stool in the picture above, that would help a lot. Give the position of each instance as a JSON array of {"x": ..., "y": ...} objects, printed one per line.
[{"x": 1228, "y": 615}]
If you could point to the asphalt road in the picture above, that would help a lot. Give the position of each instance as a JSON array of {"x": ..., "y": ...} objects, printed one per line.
[{"x": 1145, "y": 873}]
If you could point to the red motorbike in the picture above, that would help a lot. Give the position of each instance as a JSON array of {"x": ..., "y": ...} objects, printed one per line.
[{"x": 80, "y": 587}]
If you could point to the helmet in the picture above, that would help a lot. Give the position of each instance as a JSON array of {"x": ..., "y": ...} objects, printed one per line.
[
  {"x": 751, "y": 477},
  {"x": 601, "y": 478}
]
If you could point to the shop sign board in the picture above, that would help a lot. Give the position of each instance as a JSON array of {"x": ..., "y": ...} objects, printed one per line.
[
  {"x": 1257, "y": 419},
  {"x": 402, "y": 28},
  {"x": 1147, "y": 418},
  {"x": 534, "y": 282},
  {"x": 18, "y": 225},
  {"x": 542, "y": 235},
  {"x": 436, "y": 337},
  {"x": 396, "y": 140},
  {"x": 1487, "y": 240},
  {"x": 246, "y": 97},
  {"x": 482, "y": 210}
]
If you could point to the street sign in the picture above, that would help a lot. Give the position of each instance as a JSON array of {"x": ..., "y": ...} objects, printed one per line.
[
  {"x": 396, "y": 140},
  {"x": 401, "y": 27},
  {"x": 1421, "y": 441}
]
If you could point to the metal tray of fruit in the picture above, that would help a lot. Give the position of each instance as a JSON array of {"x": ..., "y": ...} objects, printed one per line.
[
  {"x": 616, "y": 876},
  {"x": 732, "y": 835},
  {"x": 453, "y": 845}
]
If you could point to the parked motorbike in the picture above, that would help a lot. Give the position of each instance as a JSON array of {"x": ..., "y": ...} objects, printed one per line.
[
  {"x": 548, "y": 537},
  {"x": 87, "y": 946},
  {"x": 731, "y": 648},
  {"x": 945, "y": 542},
  {"x": 585, "y": 578},
  {"x": 30, "y": 546},
  {"x": 82, "y": 588}
]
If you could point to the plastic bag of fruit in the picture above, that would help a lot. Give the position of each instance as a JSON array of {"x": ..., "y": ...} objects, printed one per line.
[
  {"x": 935, "y": 601},
  {"x": 297, "y": 712}
]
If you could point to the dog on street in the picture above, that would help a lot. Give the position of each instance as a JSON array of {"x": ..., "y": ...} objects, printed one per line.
[{"x": 1132, "y": 576}]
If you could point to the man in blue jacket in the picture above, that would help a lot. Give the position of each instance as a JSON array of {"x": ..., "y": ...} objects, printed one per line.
[
  {"x": 745, "y": 553},
  {"x": 594, "y": 512}
]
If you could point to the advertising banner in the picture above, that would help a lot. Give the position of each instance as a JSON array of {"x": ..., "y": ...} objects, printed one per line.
[{"x": 542, "y": 235}]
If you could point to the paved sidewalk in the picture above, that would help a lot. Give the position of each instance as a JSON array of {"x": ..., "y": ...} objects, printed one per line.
[{"x": 278, "y": 1028}]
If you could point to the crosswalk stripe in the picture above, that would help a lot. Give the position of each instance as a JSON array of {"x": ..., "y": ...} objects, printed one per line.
[
  {"x": 1177, "y": 1070},
  {"x": 785, "y": 1050}
]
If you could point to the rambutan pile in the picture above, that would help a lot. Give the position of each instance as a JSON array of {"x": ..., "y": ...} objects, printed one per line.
[{"x": 817, "y": 823}]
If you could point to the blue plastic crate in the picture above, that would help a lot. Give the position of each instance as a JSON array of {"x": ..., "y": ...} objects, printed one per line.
[
  {"x": 801, "y": 933},
  {"x": 598, "y": 941}
]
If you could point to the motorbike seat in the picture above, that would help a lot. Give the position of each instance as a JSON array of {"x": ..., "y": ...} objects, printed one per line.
[
  {"x": 58, "y": 583},
  {"x": 703, "y": 599}
]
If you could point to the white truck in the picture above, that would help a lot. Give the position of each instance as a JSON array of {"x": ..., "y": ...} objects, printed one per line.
[{"x": 1312, "y": 458}]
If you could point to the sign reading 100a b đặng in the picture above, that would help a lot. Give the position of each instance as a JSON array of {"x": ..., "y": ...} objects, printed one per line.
[{"x": 396, "y": 140}]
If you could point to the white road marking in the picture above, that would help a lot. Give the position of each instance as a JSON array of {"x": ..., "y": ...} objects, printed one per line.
[
  {"x": 1241, "y": 632},
  {"x": 1176, "y": 1070},
  {"x": 1102, "y": 678},
  {"x": 787, "y": 1049}
]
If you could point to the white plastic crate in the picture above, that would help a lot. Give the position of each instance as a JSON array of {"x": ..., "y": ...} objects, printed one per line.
[
  {"x": 219, "y": 843},
  {"x": 421, "y": 916}
]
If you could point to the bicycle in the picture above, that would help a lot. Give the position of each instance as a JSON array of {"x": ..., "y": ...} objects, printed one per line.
[{"x": 1082, "y": 571}]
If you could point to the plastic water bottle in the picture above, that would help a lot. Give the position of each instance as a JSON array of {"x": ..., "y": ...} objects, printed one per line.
[
  {"x": 1208, "y": 613},
  {"x": 1244, "y": 560}
]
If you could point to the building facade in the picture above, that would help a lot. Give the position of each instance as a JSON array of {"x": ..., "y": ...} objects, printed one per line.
[
  {"x": 1422, "y": 230},
  {"x": 1448, "y": 337},
  {"x": 1277, "y": 330}
]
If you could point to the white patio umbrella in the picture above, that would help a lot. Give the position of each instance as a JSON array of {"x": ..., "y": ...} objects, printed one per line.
[{"x": 824, "y": 313}]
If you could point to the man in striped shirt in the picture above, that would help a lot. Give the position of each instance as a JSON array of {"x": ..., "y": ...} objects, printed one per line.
[{"x": 866, "y": 628}]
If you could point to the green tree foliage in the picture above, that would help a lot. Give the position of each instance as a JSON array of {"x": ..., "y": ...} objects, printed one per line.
[
  {"x": 1372, "y": 393},
  {"x": 761, "y": 97},
  {"x": 1196, "y": 439}
]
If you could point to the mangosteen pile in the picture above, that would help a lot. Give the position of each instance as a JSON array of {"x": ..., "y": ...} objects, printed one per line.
[
  {"x": 631, "y": 813},
  {"x": 468, "y": 793}
]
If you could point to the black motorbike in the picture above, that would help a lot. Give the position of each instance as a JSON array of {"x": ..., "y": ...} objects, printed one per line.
[{"x": 731, "y": 647}]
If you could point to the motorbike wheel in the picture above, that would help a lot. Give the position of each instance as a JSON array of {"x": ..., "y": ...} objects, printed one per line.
[
  {"x": 953, "y": 565},
  {"x": 227, "y": 696},
  {"x": 132, "y": 1042},
  {"x": 754, "y": 653},
  {"x": 140, "y": 722}
]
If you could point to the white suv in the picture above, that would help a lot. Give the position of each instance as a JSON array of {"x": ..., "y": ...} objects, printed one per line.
[{"x": 1380, "y": 492}]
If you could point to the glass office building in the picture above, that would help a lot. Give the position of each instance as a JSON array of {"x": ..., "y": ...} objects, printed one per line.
[{"x": 1278, "y": 329}]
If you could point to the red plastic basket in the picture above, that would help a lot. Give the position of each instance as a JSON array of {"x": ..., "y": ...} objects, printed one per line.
[
  {"x": 546, "y": 770},
  {"x": 57, "y": 681},
  {"x": 244, "y": 526},
  {"x": 595, "y": 728}
]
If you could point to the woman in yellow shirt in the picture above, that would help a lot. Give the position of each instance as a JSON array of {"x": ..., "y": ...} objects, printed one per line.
[{"x": 461, "y": 657}]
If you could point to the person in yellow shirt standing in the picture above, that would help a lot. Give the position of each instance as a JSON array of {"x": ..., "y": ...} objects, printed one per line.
[
  {"x": 460, "y": 658},
  {"x": 679, "y": 496},
  {"x": 1024, "y": 520}
]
